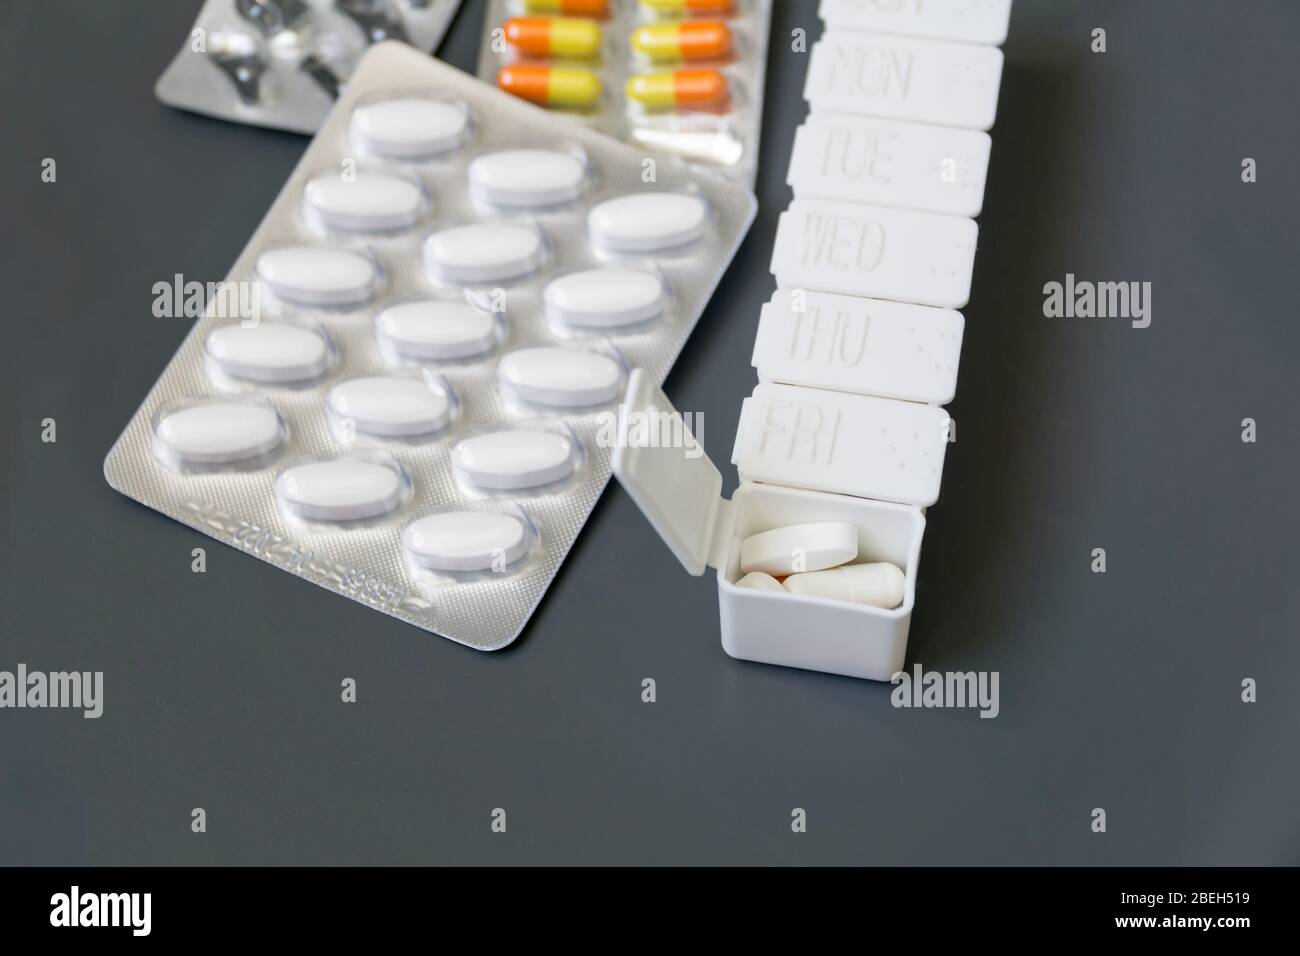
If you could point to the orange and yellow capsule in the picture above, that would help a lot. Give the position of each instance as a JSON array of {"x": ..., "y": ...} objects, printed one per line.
[
  {"x": 688, "y": 8},
  {"x": 569, "y": 8},
  {"x": 679, "y": 90},
  {"x": 687, "y": 40},
  {"x": 553, "y": 36},
  {"x": 568, "y": 87}
]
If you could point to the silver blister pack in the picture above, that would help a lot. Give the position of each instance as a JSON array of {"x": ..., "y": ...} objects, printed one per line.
[
  {"x": 684, "y": 79},
  {"x": 281, "y": 63},
  {"x": 367, "y": 456}
]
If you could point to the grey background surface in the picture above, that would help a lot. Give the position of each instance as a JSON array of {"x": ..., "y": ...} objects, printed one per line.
[{"x": 1119, "y": 690}]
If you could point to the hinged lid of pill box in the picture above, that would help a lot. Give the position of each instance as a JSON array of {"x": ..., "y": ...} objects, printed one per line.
[
  {"x": 668, "y": 475},
  {"x": 796, "y": 437}
]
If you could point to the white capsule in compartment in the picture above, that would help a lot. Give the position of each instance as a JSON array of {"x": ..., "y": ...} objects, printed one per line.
[
  {"x": 483, "y": 252},
  {"x": 269, "y": 353},
  {"x": 879, "y": 584},
  {"x": 527, "y": 178},
  {"x": 217, "y": 433},
  {"x": 648, "y": 221},
  {"x": 561, "y": 377},
  {"x": 436, "y": 330},
  {"x": 318, "y": 275},
  {"x": 409, "y": 128},
  {"x": 345, "y": 489},
  {"x": 390, "y": 407},
  {"x": 605, "y": 298},
  {"x": 466, "y": 541},
  {"x": 366, "y": 202},
  {"x": 514, "y": 459}
]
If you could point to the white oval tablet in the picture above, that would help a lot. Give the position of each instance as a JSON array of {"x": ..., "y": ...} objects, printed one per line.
[
  {"x": 604, "y": 298},
  {"x": 410, "y": 128},
  {"x": 368, "y": 202},
  {"x": 647, "y": 222},
  {"x": 220, "y": 432},
  {"x": 759, "y": 581},
  {"x": 342, "y": 490},
  {"x": 483, "y": 252},
  {"x": 466, "y": 540},
  {"x": 436, "y": 330},
  {"x": 514, "y": 459},
  {"x": 391, "y": 407},
  {"x": 316, "y": 275},
  {"x": 527, "y": 178},
  {"x": 567, "y": 378},
  {"x": 799, "y": 547},
  {"x": 268, "y": 352}
]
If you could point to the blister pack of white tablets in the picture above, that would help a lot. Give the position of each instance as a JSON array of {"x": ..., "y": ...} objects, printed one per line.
[
  {"x": 683, "y": 77},
  {"x": 282, "y": 63},
  {"x": 447, "y": 297}
]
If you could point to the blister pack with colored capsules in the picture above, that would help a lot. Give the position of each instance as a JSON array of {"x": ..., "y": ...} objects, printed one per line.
[
  {"x": 282, "y": 63},
  {"x": 684, "y": 77},
  {"x": 405, "y": 390}
]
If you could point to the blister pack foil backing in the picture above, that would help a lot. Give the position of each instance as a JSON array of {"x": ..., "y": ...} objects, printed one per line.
[{"x": 280, "y": 63}]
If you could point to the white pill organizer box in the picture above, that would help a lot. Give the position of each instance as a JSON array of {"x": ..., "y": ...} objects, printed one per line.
[
  {"x": 450, "y": 291},
  {"x": 858, "y": 348}
]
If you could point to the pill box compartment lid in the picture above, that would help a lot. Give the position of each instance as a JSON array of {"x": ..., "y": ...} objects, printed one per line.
[
  {"x": 858, "y": 445},
  {"x": 863, "y": 346},
  {"x": 672, "y": 481}
]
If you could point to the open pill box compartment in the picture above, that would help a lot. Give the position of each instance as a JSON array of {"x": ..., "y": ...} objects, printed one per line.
[
  {"x": 803, "y": 455},
  {"x": 366, "y": 561}
]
